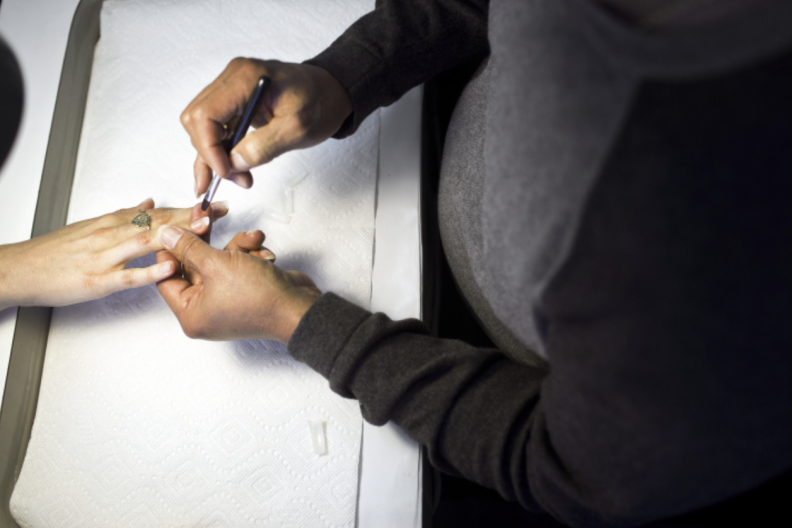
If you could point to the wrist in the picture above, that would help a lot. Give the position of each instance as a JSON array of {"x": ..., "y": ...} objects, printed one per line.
[
  {"x": 338, "y": 102},
  {"x": 296, "y": 311}
]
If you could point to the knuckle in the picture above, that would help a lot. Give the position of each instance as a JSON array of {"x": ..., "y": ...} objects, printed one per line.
[
  {"x": 128, "y": 278},
  {"x": 90, "y": 284},
  {"x": 198, "y": 114},
  {"x": 103, "y": 233},
  {"x": 185, "y": 118},
  {"x": 109, "y": 219},
  {"x": 144, "y": 238}
]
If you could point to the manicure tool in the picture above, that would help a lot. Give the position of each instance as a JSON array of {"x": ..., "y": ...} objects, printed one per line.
[{"x": 239, "y": 133}]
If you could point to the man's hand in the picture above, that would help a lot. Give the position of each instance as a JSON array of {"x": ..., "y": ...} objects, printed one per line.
[
  {"x": 302, "y": 107},
  {"x": 233, "y": 294}
]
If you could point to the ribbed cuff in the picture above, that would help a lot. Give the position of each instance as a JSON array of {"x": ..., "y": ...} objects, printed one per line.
[{"x": 324, "y": 331}]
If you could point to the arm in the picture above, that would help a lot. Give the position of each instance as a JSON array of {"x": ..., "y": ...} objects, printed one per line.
[
  {"x": 400, "y": 45},
  {"x": 376, "y": 61},
  {"x": 666, "y": 329}
]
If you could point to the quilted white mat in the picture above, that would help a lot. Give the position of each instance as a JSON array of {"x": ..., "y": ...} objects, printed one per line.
[{"x": 138, "y": 425}]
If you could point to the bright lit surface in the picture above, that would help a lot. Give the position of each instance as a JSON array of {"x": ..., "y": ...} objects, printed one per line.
[{"x": 37, "y": 31}]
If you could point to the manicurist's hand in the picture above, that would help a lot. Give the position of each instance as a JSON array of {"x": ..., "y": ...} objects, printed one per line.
[
  {"x": 233, "y": 294},
  {"x": 87, "y": 260},
  {"x": 302, "y": 107}
]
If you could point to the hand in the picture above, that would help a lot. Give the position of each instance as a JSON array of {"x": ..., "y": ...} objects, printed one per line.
[
  {"x": 302, "y": 107},
  {"x": 233, "y": 294},
  {"x": 87, "y": 260}
]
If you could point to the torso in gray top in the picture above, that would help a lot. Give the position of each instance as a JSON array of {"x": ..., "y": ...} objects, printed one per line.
[{"x": 531, "y": 131}]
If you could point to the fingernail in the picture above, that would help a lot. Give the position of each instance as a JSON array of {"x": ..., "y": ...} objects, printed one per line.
[
  {"x": 195, "y": 188},
  {"x": 251, "y": 232},
  {"x": 164, "y": 269},
  {"x": 220, "y": 208},
  {"x": 169, "y": 236},
  {"x": 240, "y": 180},
  {"x": 238, "y": 163},
  {"x": 270, "y": 257},
  {"x": 199, "y": 224}
]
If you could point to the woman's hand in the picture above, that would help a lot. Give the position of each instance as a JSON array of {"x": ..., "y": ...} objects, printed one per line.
[
  {"x": 233, "y": 294},
  {"x": 87, "y": 260},
  {"x": 302, "y": 107}
]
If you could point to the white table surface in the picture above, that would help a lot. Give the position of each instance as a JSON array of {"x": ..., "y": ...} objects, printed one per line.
[{"x": 37, "y": 31}]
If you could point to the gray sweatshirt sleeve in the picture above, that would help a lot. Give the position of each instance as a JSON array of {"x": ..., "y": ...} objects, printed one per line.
[
  {"x": 666, "y": 329},
  {"x": 398, "y": 46}
]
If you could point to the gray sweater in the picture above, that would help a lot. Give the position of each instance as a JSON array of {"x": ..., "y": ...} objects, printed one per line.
[{"x": 615, "y": 202}]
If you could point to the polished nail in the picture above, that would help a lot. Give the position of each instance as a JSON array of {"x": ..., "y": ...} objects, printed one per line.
[
  {"x": 169, "y": 236},
  {"x": 238, "y": 163},
  {"x": 199, "y": 224},
  {"x": 220, "y": 208}
]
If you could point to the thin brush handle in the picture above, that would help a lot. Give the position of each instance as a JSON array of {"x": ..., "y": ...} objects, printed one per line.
[{"x": 239, "y": 133}]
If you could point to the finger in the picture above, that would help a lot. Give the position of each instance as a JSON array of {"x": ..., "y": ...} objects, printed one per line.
[
  {"x": 200, "y": 224},
  {"x": 203, "y": 176},
  {"x": 264, "y": 254},
  {"x": 183, "y": 216},
  {"x": 216, "y": 105},
  {"x": 186, "y": 247},
  {"x": 148, "y": 203},
  {"x": 128, "y": 242},
  {"x": 206, "y": 135},
  {"x": 243, "y": 179},
  {"x": 173, "y": 288},
  {"x": 264, "y": 144},
  {"x": 136, "y": 277},
  {"x": 246, "y": 241},
  {"x": 201, "y": 221}
]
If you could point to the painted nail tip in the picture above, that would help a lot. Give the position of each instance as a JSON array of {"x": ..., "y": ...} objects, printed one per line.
[{"x": 220, "y": 207}]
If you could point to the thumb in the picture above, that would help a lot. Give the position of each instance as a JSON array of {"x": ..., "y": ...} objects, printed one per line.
[
  {"x": 266, "y": 143},
  {"x": 185, "y": 246}
]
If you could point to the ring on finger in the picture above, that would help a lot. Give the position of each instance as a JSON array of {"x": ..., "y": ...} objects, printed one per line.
[{"x": 142, "y": 220}]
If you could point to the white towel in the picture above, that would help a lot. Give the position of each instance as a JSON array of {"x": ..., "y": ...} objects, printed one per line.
[{"x": 138, "y": 425}]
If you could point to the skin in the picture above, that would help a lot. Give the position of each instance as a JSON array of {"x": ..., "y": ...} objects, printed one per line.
[
  {"x": 303, "y": 106},
  {"x": 235, "y": 294},
  {"x": 87, "y": 260}
]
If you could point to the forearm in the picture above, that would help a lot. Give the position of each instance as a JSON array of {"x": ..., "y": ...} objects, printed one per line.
[
  {"x": 9, "y": 283},
  {"x": 400, "y": 45},
  {"x": 597, "y": 442},
  {"x": 472, "y": 408}
]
